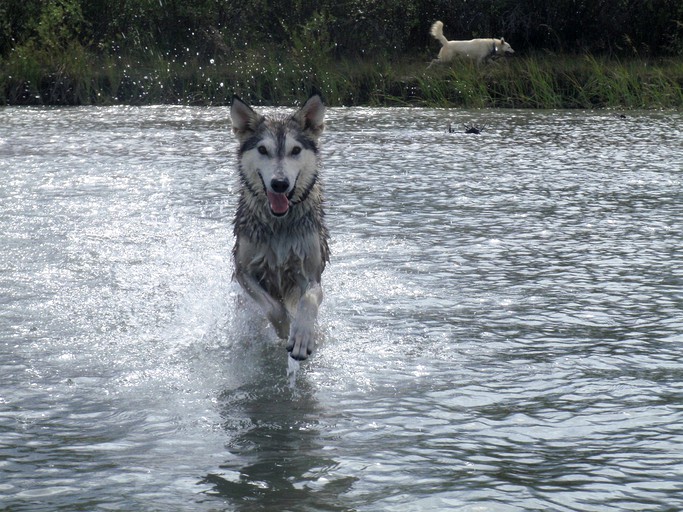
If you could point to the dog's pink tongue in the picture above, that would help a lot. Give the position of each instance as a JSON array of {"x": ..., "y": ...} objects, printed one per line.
[{"x": 279, "y": 203}]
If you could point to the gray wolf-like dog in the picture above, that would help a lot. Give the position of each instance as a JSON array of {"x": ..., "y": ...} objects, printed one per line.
[
  {"x": 475, "y": 49},
  {"x": 281, "y": 241}
]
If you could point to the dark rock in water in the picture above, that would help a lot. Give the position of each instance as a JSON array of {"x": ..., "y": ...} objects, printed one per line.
[
  {"x": 469, "y": 128},
  {"x": 473, "y": 128}
]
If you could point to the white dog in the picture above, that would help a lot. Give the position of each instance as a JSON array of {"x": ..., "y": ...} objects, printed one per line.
[{"x": 475, "y": 49}]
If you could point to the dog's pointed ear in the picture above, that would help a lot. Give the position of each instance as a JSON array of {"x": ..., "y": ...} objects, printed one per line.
[
  {"x": 502, "y": 40},
  {"x": 311, "y": 116},
  {"x": 244, "y": 118}
]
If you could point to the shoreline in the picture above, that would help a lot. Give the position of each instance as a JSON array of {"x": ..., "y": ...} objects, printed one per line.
[{"x": 537, "y": 81}]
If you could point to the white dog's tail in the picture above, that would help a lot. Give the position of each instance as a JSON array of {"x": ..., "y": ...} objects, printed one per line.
[{"x": 437, "y": 32}]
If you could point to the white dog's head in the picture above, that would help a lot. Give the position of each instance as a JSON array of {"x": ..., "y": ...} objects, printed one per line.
[{"x": 503, "y": 46}]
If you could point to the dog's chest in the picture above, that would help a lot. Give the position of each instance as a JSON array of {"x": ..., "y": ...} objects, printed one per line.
[
  {"x": 283, "y": 256},
  {"x": 287, "y": 251},
  {"x": 280, "y": 266}
]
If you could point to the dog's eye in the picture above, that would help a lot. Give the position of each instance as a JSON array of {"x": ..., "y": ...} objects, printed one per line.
[
  {"x": 263, "y": 150},
  {"x": 296, "y": 150}
]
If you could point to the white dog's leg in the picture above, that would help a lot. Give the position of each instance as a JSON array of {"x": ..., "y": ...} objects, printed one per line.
[{"x": 301, "y": 341}]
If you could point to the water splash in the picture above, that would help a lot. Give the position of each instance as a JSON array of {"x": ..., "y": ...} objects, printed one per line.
[{"x": 292, "y": 368}]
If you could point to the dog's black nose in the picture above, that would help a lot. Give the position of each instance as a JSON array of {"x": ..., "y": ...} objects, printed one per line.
[{"x": 279, "y": 186}]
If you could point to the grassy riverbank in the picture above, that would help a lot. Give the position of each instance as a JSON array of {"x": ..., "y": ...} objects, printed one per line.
[{"x": 77, "y": 77}]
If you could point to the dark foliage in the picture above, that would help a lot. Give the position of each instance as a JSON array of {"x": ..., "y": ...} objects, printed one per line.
[
  {"x": 216, "y": 28},
  {"x": 359, "y": 51}
]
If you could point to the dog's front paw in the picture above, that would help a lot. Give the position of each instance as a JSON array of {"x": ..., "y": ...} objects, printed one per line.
[{"x": 301, "y": 342}]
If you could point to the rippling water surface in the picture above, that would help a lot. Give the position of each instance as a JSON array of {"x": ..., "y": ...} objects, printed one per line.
[{"x": 502, "y": 327}]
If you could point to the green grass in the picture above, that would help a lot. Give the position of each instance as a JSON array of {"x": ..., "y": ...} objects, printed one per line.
[{"x": 76, "y": 76}]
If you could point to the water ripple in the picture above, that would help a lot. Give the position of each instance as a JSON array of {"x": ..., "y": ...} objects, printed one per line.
[{"x": 502, "y": 324}]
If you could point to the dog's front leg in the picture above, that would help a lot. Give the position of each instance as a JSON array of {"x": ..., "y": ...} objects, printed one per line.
[
  {"x": 274, "y": 310},
  {"x": 301, "y": 342}
]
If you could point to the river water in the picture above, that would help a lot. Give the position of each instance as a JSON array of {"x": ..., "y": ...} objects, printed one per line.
[{"x": 502, "y": 326}]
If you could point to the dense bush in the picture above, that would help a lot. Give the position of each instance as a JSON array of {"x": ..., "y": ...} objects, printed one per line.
[
  {"x": 79, "y": 51},
  {"x": 390, "y": 27}
]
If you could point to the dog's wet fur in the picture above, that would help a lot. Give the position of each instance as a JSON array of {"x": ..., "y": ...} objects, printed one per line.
[{"x": 281, "y": 240}]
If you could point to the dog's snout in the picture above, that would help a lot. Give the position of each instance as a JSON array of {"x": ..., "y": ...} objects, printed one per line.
[{"x": 279, "y": 185}]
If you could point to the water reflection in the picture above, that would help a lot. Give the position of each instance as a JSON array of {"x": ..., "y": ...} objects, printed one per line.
[{"x": 277, "y": 459}]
